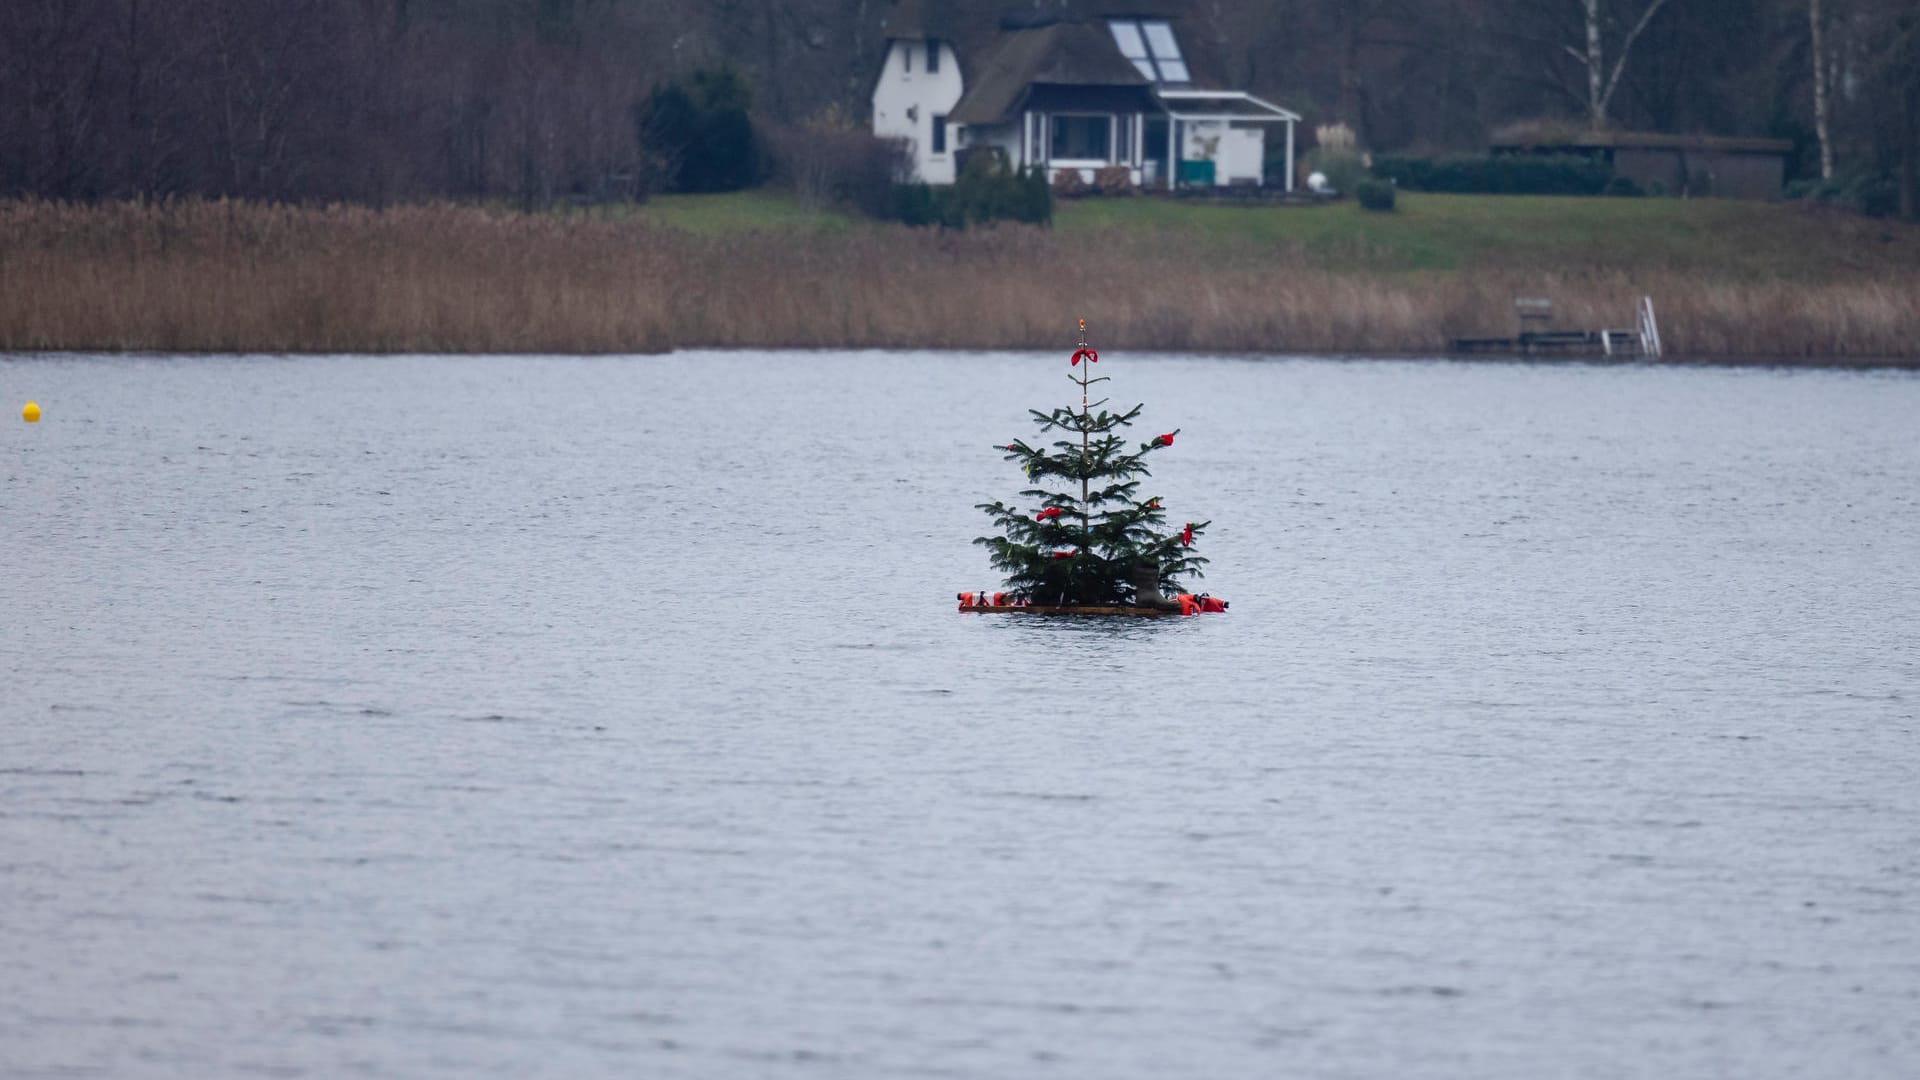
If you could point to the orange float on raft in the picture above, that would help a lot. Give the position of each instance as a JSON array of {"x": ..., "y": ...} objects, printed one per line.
[{"x": 971, "y": 601}]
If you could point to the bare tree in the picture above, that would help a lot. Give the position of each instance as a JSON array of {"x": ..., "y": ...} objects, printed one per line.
[
  {"x": 1601, "y": 83},
  {"x": 1892, "y": 31}
]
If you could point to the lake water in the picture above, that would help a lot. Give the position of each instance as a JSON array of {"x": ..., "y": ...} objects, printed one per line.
[{"x": 611, "y": 717}]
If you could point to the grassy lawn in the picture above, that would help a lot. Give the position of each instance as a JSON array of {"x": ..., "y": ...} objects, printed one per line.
[
  {"x": 1718, "y": 238},
  {"x": 1450, "y": 232},
  {"x": 736, "y": 212}
]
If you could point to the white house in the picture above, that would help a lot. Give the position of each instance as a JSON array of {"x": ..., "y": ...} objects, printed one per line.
[
  {"x": 1069, "y": 91},
  {"x": 918, "y": 86}
]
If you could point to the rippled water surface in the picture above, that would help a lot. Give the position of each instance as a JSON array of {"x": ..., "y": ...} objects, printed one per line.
[{"x": 611, "y": 717}]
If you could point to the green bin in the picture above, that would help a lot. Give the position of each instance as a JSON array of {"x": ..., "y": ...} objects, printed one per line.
[{"x": 1196, "y": 172}]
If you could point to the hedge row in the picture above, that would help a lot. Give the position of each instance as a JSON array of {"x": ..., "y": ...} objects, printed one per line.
[
  {"x": 1517, "y": 174},
  {"x": 1870, "y": 193},
  {"x": 985, "y": 191},
  {"x": 1374, "y": 194}
]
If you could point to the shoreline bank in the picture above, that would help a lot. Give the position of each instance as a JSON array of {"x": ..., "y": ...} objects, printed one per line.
[
  {"x": 1798, "y": 363},
  {"x": 247, "y": 278}
]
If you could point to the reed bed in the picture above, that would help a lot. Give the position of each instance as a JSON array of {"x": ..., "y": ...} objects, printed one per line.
[{"x": 223, "y": 276}]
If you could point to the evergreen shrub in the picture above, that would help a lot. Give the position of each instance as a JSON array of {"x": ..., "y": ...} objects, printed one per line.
[
  {"x": 987, "y": 190},
  {"x": 1505, "y": 174},
  {"x": 1374, "y": 195},
  {"x": 700, "y": 133},
  {"x": 1875, "y": 194},
  {"x": 914, "y": 204}
]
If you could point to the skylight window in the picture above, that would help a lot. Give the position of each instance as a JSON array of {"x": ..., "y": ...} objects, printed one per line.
[
  {"x": 1152, "y": 48},
  {"x": 1166, "y": 51},
  {"x": 1126, "y": 34}
]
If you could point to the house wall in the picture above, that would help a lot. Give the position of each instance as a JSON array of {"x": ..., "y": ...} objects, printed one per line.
[
  {"x": 907, "y": 97},
  {"x": 1749, "y": 176},
  {"x": 1237, "y": 153},
  {"x": 1243, "y": 156},
  {"x": 1676, "y": 170},
  {"x": 1701, "y": 173}
]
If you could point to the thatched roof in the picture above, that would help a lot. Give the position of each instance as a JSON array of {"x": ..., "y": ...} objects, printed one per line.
[
  {"x": 1005, "y": 47},
  {"x": 1056, "y": 54},
  {"x": 915, "y": 20},
  {"x": 972, "y": 25}
]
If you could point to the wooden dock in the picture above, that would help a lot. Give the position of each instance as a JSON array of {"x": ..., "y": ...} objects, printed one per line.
[{"x": 1640, "y": 343}]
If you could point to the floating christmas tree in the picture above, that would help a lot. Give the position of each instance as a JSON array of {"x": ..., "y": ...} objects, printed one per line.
[{"x": 1091, "y": 543}]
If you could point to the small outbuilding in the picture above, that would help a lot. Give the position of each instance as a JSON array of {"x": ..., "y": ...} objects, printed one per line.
[{"x": 1689, "y": 165}]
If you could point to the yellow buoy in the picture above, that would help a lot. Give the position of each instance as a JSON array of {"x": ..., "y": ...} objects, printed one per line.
[{"x": 31, "y": 413}]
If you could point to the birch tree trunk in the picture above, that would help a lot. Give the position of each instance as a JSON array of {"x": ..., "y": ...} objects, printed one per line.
[
  {"x": 1600, "y": 82},
  {"x": 1596, "y": 103},
  {"x": 1820, "y": 125}
]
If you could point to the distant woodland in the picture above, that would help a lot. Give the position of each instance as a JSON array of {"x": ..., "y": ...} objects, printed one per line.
[{"x": 533, "y": 101}]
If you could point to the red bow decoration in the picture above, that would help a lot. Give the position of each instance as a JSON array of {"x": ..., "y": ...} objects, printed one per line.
[
  {"x": 1048, "y": 514},
  {"x": 1065, "y": 554},
  {"x": 1163, "y": 440},
  {"x": 1088, "y": 355},
  {"x": 1186, "y": 538}
]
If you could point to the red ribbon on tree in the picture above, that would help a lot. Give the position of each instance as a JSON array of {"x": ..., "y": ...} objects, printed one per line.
[
  {"x": 1048, "y": 514},
  {"x": 1065, "y": 554},
  {"x": 1088, "y": 355},
  {"x": 1186, "y": 537},
  {"x": 1163, "y": 440}
]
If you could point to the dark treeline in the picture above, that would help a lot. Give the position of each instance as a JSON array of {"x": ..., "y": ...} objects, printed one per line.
[
  {"x": 1433, "y": 75},
  {"x": 536, "y": 100},
  {"x": 368, "y": 100}
]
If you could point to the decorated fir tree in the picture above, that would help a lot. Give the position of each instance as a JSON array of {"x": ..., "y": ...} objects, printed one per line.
[{"x": 1089, "y": 537}]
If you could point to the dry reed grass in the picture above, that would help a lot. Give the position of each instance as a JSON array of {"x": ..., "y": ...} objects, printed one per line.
[{"x": 217, "y": 276}]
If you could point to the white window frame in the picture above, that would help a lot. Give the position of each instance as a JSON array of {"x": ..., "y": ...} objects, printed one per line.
[{"x": 1052, "y": 130}]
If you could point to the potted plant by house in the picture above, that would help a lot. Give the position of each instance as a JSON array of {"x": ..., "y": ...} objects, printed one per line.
[{"x": 1084, "y": 540}]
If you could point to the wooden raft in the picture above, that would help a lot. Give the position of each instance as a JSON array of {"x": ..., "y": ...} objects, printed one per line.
[{"x": 1064, "y": 609}]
